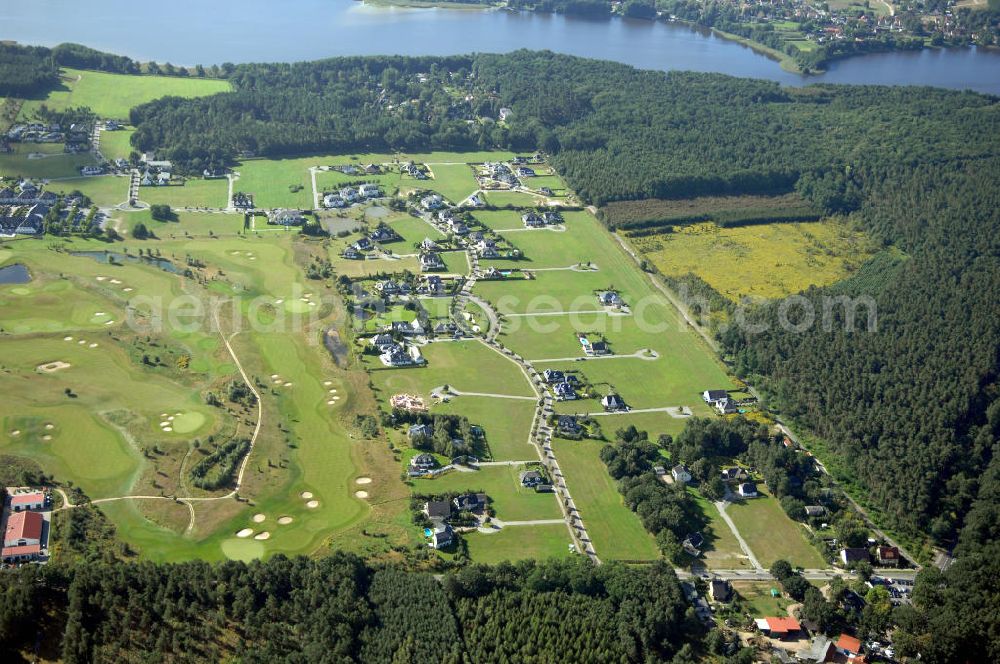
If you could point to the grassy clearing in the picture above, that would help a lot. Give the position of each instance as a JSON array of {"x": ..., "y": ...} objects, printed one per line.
[
  {"x": 412, "y": 231},
  {"x": 272, "y": 181},
  {"x": 499, "y": 220},
  {"x": 515, "y": 198},
  {"x": 469, "y": 366},
  {"x": 113, "y": 95},
  {"x": 103, "y": 190},
  {"x": 628, "y": 213},
  {"x": 616, "y": 531},
  {"x": 721, "y": 550},
  {"x": 520, "y": 543},
  {"x": 335, "y": 180},
  {"x": 455, "y": 182},
  {"x": 55, "y": 163},
  {"x": 757, "y": 594},
  {"x": 762, "y": 261},
  {"x": 116, "y": 144},
  {"x": 511, "y": 501},
  {"x": 507, "y": 424},
  {"x": 193, "y": 193},
  {"x": 771, "y": 535}
]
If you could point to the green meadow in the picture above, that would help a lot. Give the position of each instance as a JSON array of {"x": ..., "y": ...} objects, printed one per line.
[
  {"x": 511, "y": 501},
  {"x": 117, "y": 144},
  {"x": 771, "y": 535},
  {"x": 455, "y": 182},
  {"x": 42, "y": 160},
  {"x": 192, "y": 193},
  {"x": 113, "y": 95},
  {"x": 519, "y": 543}
]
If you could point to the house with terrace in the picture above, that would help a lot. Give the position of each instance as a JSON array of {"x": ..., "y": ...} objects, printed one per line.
[
  {"x": 432, "y": 202},
  {"x": 430, "y": 262},
  {"x": 594, "y": 347}
]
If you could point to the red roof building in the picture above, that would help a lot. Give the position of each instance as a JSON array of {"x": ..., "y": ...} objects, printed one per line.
[
  {"x": 779, "y": 628},
  {"x": 888, "y": 556},
  {"x": 20, "y": 553},
  {"x": 27, "y": 501},
  {"x": 849, "y": 645},
  {"x": 23, "y": 529}
]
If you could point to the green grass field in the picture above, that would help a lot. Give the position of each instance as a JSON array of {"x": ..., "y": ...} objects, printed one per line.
[
  {"x": 516, "y": 198},
  {"x": 771, "y": 535},
  {"x": 113, "y": 95},
  {"x": 616, "y": 531},
  {"x": 721, "y": 550},
  {"x": 519, "y": 543},
  {"x": 455, "y": 182},
  {"x": 103, "y": 190},
  {"x": 116, "y": 145},
  {"x": 271, "y": 182},
  {"x": 511, "y": 501},
  {"x": 766, "y": 261},
  {"x": 55, "y": 163},
  {"x": 193, "y": 193},
  {"x": 507, "y": 424}
]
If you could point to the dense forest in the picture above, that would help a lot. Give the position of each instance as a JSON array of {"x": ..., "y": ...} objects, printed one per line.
[{"x": 338, "y": 609}]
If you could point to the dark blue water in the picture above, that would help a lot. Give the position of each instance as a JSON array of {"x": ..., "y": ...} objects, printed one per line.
[
  {"x": 115, "y": 257},
  {"x": 193, "y": 32},
  {"x": 14, "y": 274}
]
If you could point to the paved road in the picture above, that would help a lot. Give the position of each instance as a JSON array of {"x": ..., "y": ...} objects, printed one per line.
[
  {"x": 639, "y": 354},
  {"x": 672, "y": 410}
]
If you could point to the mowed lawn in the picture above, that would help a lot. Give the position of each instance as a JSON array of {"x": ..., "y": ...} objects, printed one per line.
[
  {"x": 455, "y": 182},
  {"x": 721, "y": 550},
  {"x": 277, "y": 183},
  {"x": 519, "y": 543},
  {"x": 771, "y": 535},
  {"x": 193, "y": 193},
  {"x": 467, "y": 366},
  {"x": 103, "y": 190},
  {"x": 515, "y": 198},
  {"x": 413, "y": 231},
  {"x": 54, "y": 164},
  {"x": 117, "y": 144},
  {"x": 507, "y": 423},
  {"x": 511, "y": 501},
  {"x": 113, "y": 95},
  {"x": 616, "y": 531}
]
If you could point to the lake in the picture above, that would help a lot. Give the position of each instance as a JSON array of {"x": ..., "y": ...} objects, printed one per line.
[{"x": 192, "y": 32}]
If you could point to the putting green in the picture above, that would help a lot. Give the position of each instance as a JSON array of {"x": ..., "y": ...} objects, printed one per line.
[
  {"x": 244, "y": 550},
  {"x": 187, "y": 422},
  {"x": 21, "y": 290},
  {"x": 297, "y": 306}
]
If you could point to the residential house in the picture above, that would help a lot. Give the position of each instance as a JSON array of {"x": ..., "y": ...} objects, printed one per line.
[
  {"x": 564, "y": 392},
  {"x": 552, "y": 217},
  {"x": 851, "y": 555},
  {"x": 779, "y": 627},
  {"x": 400, "y": 357},
  {"x": 422, "y": 461},
  {"x": 720, "y": 590},
  {"x": 383, "y": 342},
  {"x": 476, "y": 202},
  {"x": 437, "y": 509},
  {"x": 726, "y": 406},
  {"x": 243, "y": 201},
  {"x": 610, "y": 299},
  {"x": 711, "y": 396},
  {"x": 349, "y": 194},
  {"x": 681, "y": 474},
  {"x": 286, "y": 218},
  {"x": 487, "y": 249},
  {"x": 553, "y": 376},
  {"x": 363, "y": 244},
  {"x": 849, "y": 646},
  {"x": 568, "y": 424},
  {"x": 416, "y": 327},
  {"x": 524, "y": 172},
  {"x": 730, "y": 474},
  {"x": 594, "y": 347},
  {"x": 351, "y": 253},
  {"x": 431, "y": 261},
  {"x": 432, "y": 202},
  {"x": 531, "y": 478},
  {"x": 429, "y": 245},
  {"x": 457, "y": 226},
  {"x": 821, "y": 649},
  {"x": 383, "y": 234},
  {"x": 692, "y": 543},
  {"x": 433, "y": 285},
  {"x": 372, "y": 169},
  {"x": 546, "y": 191},
  {"x": 471, "y": 502},
  {"x": 369, "y": 191},
  {"x": 887, "y": 556},
  {"x": 492, "y": 274},
  {"x": 612, "y": 402},
  {"x": 92, "y": 170},
  {"x": 747, "y": 490},
  {"x": 387, "y": 287},
  {"x": 442, "y": 537},
  {"x": 815, "y": 510},
  {"x": 660, "y": 471},
  {"x": 532, "y": 220},
  {"x": 334, "y": 201}
]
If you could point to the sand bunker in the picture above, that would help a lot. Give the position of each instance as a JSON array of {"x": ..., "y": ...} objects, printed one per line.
[
  {"x": 246, "y": 532},
  {"x": 331, "y": 402},
  {"x": 93, "y": 345},
  {"x": 312, "y": 504},
  {"x": 127, "y": 290},
  {"x": 167, "y": 429},
  {"x": 285, "y": 520},
  {"x": 67, "y": 338},
  {"x": 361, "y": 494},
  {"x": 328, "y": 383},
  {"x": 259, "y": 518},
  {"x": 81, "y": 342},
  {"x": 262, "y": 536},
  {"x": 50, "y": 426},
  {"x": 50, "y": 367},
  {"x": 278, "y": 301},
  {"x": 363, "y": 480},
  {"x": 115, "y": 281},
  {"x": 46, "y": 437},
  {"x": 274, "y": 375},
  {"x": 288, "y": 384},
  {"x": 15, "y": 432},
  {"x": 101, "y": 278},
  {"x": 100, "y": 313},
  {"x": 306, "y": 494},
  {"x": 164, "y": 424}
]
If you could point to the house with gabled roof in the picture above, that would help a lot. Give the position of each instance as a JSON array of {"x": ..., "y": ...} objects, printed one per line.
[{"x": 613, "y": 402}]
